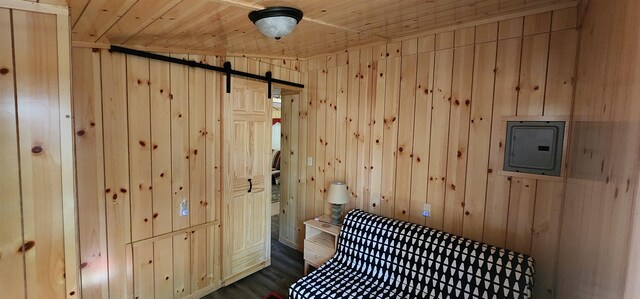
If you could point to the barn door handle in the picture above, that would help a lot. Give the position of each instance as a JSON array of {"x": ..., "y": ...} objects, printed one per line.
[{"x": 250, "y": 186}]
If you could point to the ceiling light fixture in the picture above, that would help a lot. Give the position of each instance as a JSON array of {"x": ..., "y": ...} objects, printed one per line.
[{"x": 276, "y": 22}]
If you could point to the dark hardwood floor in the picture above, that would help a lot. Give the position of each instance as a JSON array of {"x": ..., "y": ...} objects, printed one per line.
[{"x": 286, "y": 268}]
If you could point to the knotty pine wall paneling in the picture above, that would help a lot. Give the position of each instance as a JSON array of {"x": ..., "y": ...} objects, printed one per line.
[
  {"x": 287, "y": 188},
  {"x": 285, "y": 162},
  {"x": 312, "y": 144},
  {"x": 12, "y": 263},
  {"x": 420, "y": 121},
  {"x": 362, "y": 137},
  {"x": 89, "y": 154},
  {"x": 160, "y": 143},
  {"x": 480, "y": 123},
  {"x": 342, "y": 70},
  {"x": 321, "y": 139},
  {"x": 331, "y": 123},
  {"x": 38, "y": 122},
  {"x": 405, "y": 135},
  {"x": 116, "y": 171},
  {"x": 38, "y": 241},
  {"x": 147, "y": 138},
  {"x": 463, "y": 62},
  {"x": 421, "y": 132},
  {"x": 390, "y": 133},
  {"x": 504, "y": 104},
  {"x": 440, "y": 114},
  {"x": 213, "y": 149},
  {"x": 351, "y": 158},
  {"x": 598, "y": 255},
  {"x": 179, "y": 95},
  {"x": 139, "y": 122}
]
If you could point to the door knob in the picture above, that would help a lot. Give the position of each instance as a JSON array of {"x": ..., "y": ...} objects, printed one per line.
[{"x": 250, "y": 186}]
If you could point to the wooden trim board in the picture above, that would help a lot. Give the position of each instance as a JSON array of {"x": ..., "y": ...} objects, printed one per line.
[
  {"x": 70, "y": 221},
  {"x": 35, "y": 7},
  {"x": 175, "y": 233},
  {"x": 245, "y": 273}
]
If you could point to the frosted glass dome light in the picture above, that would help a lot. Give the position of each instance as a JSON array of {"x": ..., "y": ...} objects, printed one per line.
[
  {"x": 276, "y": 22},
  {"x": 276, "y": 27}
]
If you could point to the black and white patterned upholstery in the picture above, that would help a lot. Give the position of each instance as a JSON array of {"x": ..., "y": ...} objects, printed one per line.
[{"x": 378, "y": 257}]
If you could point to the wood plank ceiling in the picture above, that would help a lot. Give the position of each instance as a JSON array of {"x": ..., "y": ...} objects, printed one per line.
[{"x": 222, "y": 26}]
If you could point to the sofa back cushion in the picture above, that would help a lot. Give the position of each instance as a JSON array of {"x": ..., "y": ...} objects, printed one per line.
[{"x": 426, "y": 263}]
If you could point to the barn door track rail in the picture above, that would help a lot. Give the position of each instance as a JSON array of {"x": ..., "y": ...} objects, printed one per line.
[{"x": 227, "y": 70}]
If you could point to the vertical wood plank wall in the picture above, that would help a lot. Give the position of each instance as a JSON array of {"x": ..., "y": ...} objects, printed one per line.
[
  {"x": 147, "y": 138},
  {"x": 419, "y": 121},
  {"x": 38, "y": 256},
  {"x": 11, "y": 234},
  {"x": 599, "y": 248}
]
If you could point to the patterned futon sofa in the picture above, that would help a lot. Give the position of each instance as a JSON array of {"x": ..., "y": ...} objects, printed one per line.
[{"x": 378, "y": 257}]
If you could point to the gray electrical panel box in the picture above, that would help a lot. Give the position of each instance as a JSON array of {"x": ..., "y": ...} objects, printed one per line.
[{"x": 534, "y": 147}]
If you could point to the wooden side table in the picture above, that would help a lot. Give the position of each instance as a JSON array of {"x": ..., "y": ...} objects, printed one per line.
[{"x": 320, "y": 242}]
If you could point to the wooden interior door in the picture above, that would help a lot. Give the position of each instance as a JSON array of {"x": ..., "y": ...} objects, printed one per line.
[{"x": 247, "y": 185}]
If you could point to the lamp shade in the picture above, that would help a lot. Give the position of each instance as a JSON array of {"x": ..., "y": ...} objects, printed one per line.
[
  {"x": 338, "y": 193},
  {"x": 276, "y": 22}
]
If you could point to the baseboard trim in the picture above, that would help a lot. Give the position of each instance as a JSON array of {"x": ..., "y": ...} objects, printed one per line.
[
  {"x": 289, "y": 244},
  {"x": 203, "y": 292},
  {"x": 231, "y": 279}
]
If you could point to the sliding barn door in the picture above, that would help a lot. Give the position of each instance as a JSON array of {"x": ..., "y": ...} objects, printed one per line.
[{"x": 247, "y": 188}]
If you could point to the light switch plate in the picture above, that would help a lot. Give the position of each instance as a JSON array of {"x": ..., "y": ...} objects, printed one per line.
[
  {"x": 184, "y": 208},
  {"x": 309, "y": 161}
]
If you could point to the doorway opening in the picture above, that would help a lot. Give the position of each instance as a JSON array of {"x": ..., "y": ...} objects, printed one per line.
[
  {"x": 276, "y": 149},
  {"x": 284, "y": 161},
  {"x": 286, "y": 259}
]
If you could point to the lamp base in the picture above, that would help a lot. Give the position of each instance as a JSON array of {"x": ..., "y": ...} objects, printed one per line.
[{"x": 336, "y": 211}]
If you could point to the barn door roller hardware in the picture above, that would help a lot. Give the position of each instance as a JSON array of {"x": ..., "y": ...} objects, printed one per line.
[{"x": 227, "y": 70}]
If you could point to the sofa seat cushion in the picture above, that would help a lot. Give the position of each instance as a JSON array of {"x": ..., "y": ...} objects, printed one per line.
[{"x": 336, "y": 280}]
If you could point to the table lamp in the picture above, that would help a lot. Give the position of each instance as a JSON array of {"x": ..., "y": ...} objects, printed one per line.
[{"x": 337, "y": 196}]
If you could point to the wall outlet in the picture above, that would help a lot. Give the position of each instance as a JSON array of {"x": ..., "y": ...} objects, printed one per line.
[
  {"x": 184, "y": 208},
  {"x": 426, "y": 210},
  {"x": 309, "y": 161}
]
